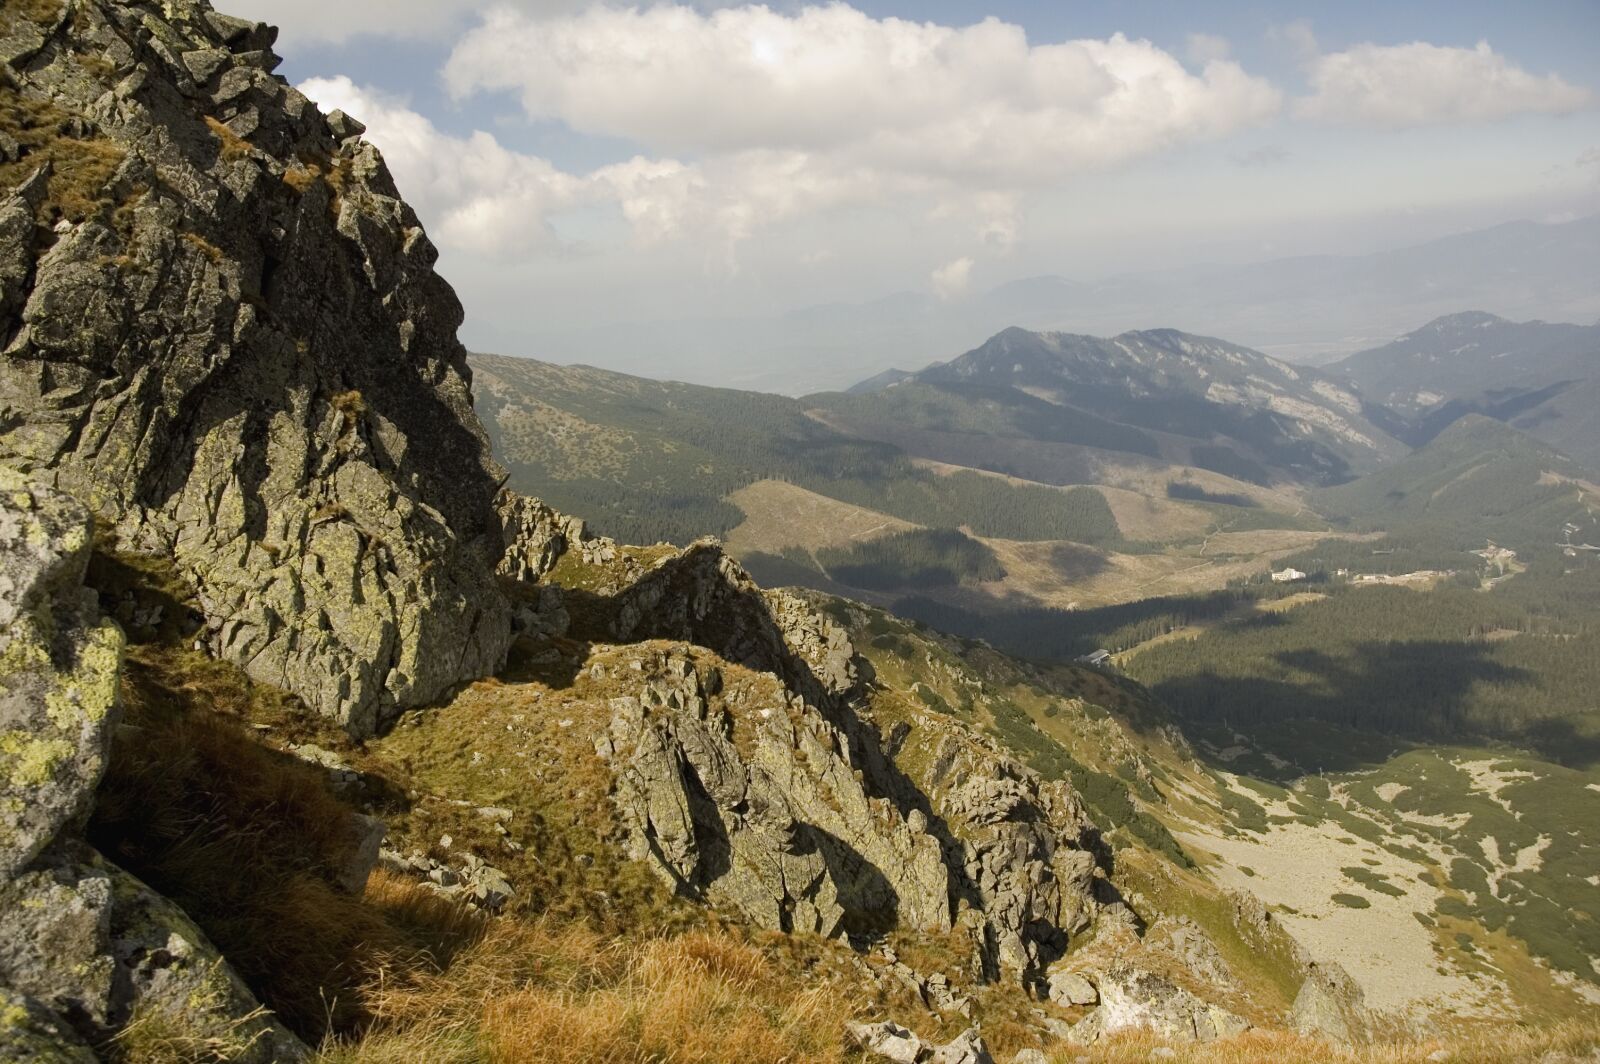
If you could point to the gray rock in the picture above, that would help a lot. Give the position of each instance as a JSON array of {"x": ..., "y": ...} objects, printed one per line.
[
  {"x": 369, "y": 832},
  {"x": 1030, "y": 1056},
  {"x": 1330, "y": 1004},
  {"x": 249, "y": 365},
  {"x": 887, "y": 1041},
  {"x": 32, "y": 1034},
  {"x": 95, "y": 946},
  {"x": 1134, "y": 999},
  {"x": 780, "y": 824},
  {"x": 1072, "y": 988},
  {"x": 967, "y": 1048},
  {"x": 59, "y": 667}
]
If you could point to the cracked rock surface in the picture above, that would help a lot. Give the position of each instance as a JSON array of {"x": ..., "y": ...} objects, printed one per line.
[{"x": 223, "y": 332}]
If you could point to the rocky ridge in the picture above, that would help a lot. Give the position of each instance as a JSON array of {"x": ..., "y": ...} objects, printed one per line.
[{"x": 222, "y": 331}]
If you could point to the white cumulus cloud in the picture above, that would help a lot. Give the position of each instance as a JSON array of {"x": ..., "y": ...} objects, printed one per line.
[
  {"x": 1418, "y": 84},
  {"x": 477, "y": 195},
  {"x": 978, "y": 105}
]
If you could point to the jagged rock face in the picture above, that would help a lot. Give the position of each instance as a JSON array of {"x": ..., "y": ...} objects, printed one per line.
[
  {"x": 535, "y": 536},
  {"x": 1021, "y": 846},
  {"x": 773, "y": 820},
  {"x": 703, "y": 596},
  {"x": 59, "y": 663},
  {"x": 239, "y": 353},
  {"x": 98, "y": 948}
]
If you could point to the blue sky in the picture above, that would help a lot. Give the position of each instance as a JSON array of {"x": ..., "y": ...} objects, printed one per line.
[{"x": 577, "y": 161}]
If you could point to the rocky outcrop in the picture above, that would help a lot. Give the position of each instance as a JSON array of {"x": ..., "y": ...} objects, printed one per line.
[
  {"x": 222, "y": 330},
  {"x": 700, "y": 595},
  {"x": 759, "y": 806},
  {"x": 535, "y": 535},
  {"x": 1134, "y": 999},
  {"x": 59, "y": 664},
  {"x": 1022, "y": 844}
]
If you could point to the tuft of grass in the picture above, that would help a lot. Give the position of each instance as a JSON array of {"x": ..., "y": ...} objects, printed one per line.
[
  {"x": 233, "y": 146},
  {"x": 1351, "y": 901},
  {"x": 82, "y": 163},
  {"x": 39, "y": 12},
  {"x": 205, "y": 247}
]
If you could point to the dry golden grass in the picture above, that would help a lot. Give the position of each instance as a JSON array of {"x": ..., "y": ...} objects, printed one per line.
[
  {"x": 1559, "y": 1043},
  {"x": 251, "y": 843},
  {"x": 233, "y": 146},
  {"x": 82, "y": 166},
  {"x": 556, "y": 994}
]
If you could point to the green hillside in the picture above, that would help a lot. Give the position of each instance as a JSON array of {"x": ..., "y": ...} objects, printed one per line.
[{"x": 1478, "y": 480}]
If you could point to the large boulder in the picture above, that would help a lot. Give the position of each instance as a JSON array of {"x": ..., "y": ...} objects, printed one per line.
[
  {"x": 222, "y": 330},
  {"x": 93, "y": 945},
  {"x": 59, "y": 663},
  {"x": 1134, "y": 999}
]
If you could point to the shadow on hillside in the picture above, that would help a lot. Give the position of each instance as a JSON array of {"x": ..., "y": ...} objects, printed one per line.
[
  {"x": 1411, "y": 691},
  {"x": 1020, "y": 627}
]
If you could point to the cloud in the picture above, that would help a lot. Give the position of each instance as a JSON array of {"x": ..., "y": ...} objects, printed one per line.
[
  {"x": 953, "y": 278},
  {"x": 1266, "y": 155},
  {"x": 977, "y": 106},
  {"x": 1418, "y": 84},
  {"x": 480, "y": 196}
]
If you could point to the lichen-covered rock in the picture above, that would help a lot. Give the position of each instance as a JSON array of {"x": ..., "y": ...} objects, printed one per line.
[
  {"x": 98, "y": 948},
  {"x": 1131, "y": 998},
  {"x": 32, "y": 1034},
  {"x": 59, "y": 663},
  {"x": 232, "y": 343},
  {"x": 1071, "y": 988},
  {"x": 1330, "y": 1004},
  {"x": 775, "y": 820},
  {"x": 535, "y": 536}
]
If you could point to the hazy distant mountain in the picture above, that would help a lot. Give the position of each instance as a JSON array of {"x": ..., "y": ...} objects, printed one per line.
[
  {"x": 1160, "y": 393},
  {"x": 1541, "y": 377},
  {"x": 1308, "y": 309}
]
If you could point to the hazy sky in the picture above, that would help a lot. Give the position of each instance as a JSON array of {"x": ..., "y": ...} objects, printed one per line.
[{"x": 581, "y": 163}]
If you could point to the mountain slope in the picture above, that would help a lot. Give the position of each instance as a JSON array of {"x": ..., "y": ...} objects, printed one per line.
[
  {"x": 1541, "y": 377},
  {"x": 1189, "y": 399},
  {"x": 1478, "y": 479}
]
